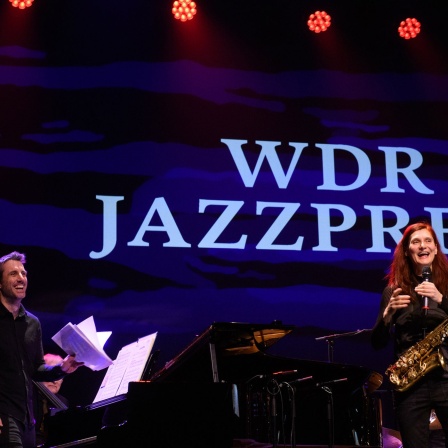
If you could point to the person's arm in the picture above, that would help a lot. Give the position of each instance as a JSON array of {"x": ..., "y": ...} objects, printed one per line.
[
  {"x": 53, "y": 373},
  {"x": 381, "y": 330},
  {"x": 429, "y": 290},
  {"x": 46, "y": 372},
  {"x": 392, "y": 300},
  {"x": 69, "y": 364},
  {"x": 42, "y": 371},
  {"x": 444, "y": 304}
]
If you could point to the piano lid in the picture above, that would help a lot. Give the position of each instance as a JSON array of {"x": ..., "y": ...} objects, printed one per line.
[
  {"x": 224, "y": 339},
  {"x": 232, "y": 338}
]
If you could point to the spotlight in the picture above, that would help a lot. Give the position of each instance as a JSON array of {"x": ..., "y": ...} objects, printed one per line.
[
  {"x": 21, "y": 4},
  {"x": 319, "y": 22},
  {"x": 409, "y": 28},
  {"x": 184, "y": 10}
]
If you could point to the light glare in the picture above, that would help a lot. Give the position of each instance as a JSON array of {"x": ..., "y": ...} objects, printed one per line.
[
  {"x": 184, "y": 10},
  {"x": 21, "y": 4},
  {"x": 319, "y": 22},
  {"x": 409, "y": 28}
]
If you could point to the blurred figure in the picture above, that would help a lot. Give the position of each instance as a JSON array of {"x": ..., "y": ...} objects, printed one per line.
[
  {"x": 45, "y": 404},
  {"x": 21, "y": 357}
]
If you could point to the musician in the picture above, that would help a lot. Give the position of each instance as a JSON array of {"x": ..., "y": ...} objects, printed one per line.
[
  {"x": 21, "y": 356},
  {"x": 43, "y": 405},
  {"x": 410, "y": 308}
]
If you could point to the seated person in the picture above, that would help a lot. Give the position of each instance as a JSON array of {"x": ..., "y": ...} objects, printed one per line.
[{"x": 45, "y": 397}]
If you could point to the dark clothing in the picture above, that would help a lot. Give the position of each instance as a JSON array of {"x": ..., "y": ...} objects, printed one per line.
[
  {"x": 21, "y": 362},
  {"x": 407, "y": 324},
  {"x": 15, "y": 434},
  {"x": 437, "y": 438},
  {"x": 413, "y": 407},
  {"x": 42, "y": 410}
]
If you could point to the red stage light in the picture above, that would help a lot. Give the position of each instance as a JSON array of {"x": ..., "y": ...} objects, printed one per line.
[
  {"x": 21, "y": 4},
  {"x": 409, "y": 28},
  {"x": 184, "y": 10},
  {"x": 319, "y": 22}
]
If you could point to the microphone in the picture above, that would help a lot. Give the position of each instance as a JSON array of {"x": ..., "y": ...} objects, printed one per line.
[
  {"x": 426, "y": 274},
  {"x": 325, "y": 383},
  {"x": 280, "y": 373},
  {"x": 284, "y": 372},
  {"x": 299, "y": 380}
]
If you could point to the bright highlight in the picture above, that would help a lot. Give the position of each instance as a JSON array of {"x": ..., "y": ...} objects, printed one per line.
[
  {"x": 319, "y": 22},
  {"x": 184, "y": 10},
  {"x": 409, "y": 28},
  {"x": 21, "y": 4}
]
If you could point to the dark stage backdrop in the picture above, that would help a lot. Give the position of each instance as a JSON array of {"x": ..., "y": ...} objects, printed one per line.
[{"x": 162, "y": 176}]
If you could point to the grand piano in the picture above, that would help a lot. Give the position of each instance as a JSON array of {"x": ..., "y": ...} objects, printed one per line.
[{"x": 224, "y": 390}]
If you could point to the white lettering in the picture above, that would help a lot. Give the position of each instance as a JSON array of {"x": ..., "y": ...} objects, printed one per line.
[
  {"x": 437, "y": 224},
  {"x": 168, "y": 225},
  {"x": 380, "y": 215},
  {"x": 269, "y": 153},
  {"x": 324, "y": 224},
  {"x": 209, "y": 240},
  {"x": 329, "y": 168},
  {"x": 392, "y": 170},
  {"x": 278, "y": 225},
  {"x": 378, "y": 228},
  {"x": 109, "y": 225}
]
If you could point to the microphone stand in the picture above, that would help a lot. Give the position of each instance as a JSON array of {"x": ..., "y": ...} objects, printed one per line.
[
  {"x": 330, "y": 340},
  {"x": 330, "y": 415},
  {"x": 292, "y": 388},
  {"x": 274, "y": 419},
  {"x": 272, "y": 403},
  {"x": 325, "y": 386}
]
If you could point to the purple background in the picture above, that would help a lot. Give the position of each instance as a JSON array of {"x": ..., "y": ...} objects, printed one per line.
[{"x": 119, "y": 99}]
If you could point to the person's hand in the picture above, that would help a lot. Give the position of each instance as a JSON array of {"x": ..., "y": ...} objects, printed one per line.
[
  {"x": 396, "y": 302},
  {"x": 70, "y": 364},
  {"x": 1, "y": 425},
  {"x": 428, "y": 289}
]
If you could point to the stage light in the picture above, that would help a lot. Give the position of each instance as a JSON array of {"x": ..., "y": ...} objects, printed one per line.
[
  {"x": 21, "y": 4},
  {"x": 409, "y": 28},
  {"x": 184, "y": 10},
  {"x": 319, "y": 22}
]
